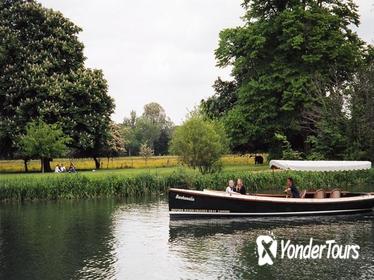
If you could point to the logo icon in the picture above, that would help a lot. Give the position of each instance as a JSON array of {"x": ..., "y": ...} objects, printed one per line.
[{"x": 266, "y": 249}]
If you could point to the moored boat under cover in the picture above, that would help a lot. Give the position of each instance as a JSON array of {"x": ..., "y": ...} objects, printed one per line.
[
  {"x": 183, "y": 203},
  {"x": 319, "y": 165}
]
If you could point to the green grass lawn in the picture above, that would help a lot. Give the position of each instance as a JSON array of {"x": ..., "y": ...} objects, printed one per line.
[{"x": 137, "y": 171}]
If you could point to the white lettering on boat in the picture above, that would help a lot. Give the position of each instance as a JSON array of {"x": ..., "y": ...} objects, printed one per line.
[
  {"x": 182, "y": 197},
  {"x": 199, "y": 210}
]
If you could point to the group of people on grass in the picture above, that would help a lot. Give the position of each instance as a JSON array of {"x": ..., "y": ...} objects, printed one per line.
[
  {"x": 291, "y": 188},
  {"x": 60, "y": 168}
]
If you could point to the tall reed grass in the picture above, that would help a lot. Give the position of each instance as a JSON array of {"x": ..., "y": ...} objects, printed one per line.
[{"x": 69, "y": 186}]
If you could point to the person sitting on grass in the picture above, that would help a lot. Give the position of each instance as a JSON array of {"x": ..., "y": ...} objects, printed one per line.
[
  {"x": 292, "y": 189},
  {"x": 240, "y": 187},
  {"x": 57, "y": 168},
  {"x": 63, "y": 169},
  {"x": 230, "y": 188},
  {"x": 72, "y": 168}
]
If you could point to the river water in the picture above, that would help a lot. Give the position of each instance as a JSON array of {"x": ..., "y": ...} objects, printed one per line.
[{"x": 135, "y": 239}]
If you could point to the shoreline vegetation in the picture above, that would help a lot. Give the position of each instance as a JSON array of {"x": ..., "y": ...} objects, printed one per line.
[
  {"x": 136, "y": 162},
  {"x": 140, "y": 182}
]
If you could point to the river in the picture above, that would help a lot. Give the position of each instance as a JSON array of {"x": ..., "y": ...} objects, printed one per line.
[{"x": 135, "y": 239}]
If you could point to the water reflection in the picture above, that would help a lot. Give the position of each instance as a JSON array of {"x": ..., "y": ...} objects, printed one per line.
[
  {"x": 56, "y": 240},
  {"x": 226, "y": 248},
  {"x": 134, "y": 239}
]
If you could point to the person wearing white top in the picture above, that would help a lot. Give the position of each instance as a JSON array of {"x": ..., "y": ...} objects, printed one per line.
[
  {"x": 230, "y": 187},
  {"x": 57, "y": 169},
  {"x": 62, "y": 169}
]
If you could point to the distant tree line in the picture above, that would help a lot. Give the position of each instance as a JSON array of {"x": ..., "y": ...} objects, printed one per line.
[
  {"x": 153, "y": 129},
  {"x": 302, "y": 81}
]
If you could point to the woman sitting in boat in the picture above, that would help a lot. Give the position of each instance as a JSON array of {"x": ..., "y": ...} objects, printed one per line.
[
  {"x": 240, "y": 187},
  {"x": 231, "y": 187},
  {"x": 291, "y": 188}
]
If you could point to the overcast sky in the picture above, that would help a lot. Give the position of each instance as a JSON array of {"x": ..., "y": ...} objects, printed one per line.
[{"x": 161, "y": 51}]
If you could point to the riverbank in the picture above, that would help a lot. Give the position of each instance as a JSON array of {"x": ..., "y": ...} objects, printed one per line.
[
  {"x": 17, "y": 166},
  {"x": 122, "y": 184}
]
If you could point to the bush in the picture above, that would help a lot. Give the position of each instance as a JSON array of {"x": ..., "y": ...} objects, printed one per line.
[{"x": 200, "y": 144}]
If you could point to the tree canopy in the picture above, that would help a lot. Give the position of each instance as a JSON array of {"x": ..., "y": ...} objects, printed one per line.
[
  {"x": 274, "y": 56},
  {"x": 43, "y": 141},
  {"x": 152, "y": 127},
  {"x": 42, "y": 76}
]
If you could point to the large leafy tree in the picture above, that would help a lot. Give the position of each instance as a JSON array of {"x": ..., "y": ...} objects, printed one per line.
[
  {"x": 42, "y": 76},
  {"x": 43, "y": 141},
  {"x": 273, "y": 56}
]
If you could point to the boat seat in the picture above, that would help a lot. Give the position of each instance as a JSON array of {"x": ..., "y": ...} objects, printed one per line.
[
  {"x": 319, "y": 193},
  {"x": 335, "y": 193},
  {"x": 303, "y": 194}
]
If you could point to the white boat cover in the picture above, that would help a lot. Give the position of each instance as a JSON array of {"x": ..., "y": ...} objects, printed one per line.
[{"x": 319, "y": 165}]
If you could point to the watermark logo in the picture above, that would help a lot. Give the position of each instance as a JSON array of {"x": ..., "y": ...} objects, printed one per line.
[{"x": 267, "y": 248}]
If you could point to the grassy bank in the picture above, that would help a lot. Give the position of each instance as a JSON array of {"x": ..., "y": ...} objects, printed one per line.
[
  {"x": 119, "y": 184},
  {"x": 14, "y": 166}
]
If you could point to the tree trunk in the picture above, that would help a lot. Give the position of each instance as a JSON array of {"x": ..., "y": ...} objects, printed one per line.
[
  {"x": 97, "y": 162},
  {"x": 25, "y": 161},
  {"x": 42, "y": 164},
  {"x": 46, "y": 166}
]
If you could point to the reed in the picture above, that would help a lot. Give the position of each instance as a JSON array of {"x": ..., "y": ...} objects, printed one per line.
[{"x": 89, "y": 185}]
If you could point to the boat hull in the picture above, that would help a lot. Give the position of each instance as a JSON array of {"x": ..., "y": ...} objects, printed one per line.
[{"x": 187, "y": 203}]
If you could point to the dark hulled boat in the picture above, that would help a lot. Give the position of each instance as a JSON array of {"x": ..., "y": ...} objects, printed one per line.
[
  {"x": 192, "y": 203},
  {"x": 184, "y": 203}
]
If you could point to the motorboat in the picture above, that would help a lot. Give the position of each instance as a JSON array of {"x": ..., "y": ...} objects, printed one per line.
[{"x": 212, "y": 203}]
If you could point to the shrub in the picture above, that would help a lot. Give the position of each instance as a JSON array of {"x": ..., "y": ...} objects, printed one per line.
[{"x": 200, "y": 144}]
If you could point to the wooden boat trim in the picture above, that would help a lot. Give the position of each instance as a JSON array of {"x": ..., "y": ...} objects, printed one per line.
[
  {"x": 237, "y": 196},
  {"x": 266, "y": 214}
]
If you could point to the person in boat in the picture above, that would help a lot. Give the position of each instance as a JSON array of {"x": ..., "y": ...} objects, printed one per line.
[
  {"x": 240, "y": 187},
  {"x": 231, "y": 187},
  {"x": 291, "y": 188}
]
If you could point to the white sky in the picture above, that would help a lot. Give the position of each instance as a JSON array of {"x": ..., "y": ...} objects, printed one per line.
[{"x": 161, "y": 51}]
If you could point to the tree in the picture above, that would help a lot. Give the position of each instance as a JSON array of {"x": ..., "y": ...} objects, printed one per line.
[
  {"x": 42, "y": 76},
  {"x": 287, "y": 152},
  {"x": 43, "y": 141},
  {"x": 274, "y": 55},
  {"x": 326, "y": 120},
  {"x": 146, "y": 152},
  {"x": 152, "y": 127},
  {"x": 154, "y": 113},
  {"x": 360, "y": 130},
  {"x": 128, "y": 134},
  {"x": 222, "y": 101},
  {"x": 115, "y": 145},
  {"x": 200, "y": 143},
  {"x": 85, "y": 111}
]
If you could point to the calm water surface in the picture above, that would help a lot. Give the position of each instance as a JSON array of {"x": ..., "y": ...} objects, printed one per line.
[{"x": 110, "y": 239}]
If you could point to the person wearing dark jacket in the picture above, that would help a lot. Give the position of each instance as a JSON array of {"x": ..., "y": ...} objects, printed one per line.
[
  {"x": 291, "y": 188},
  {"x": 240, "y": 187}
]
